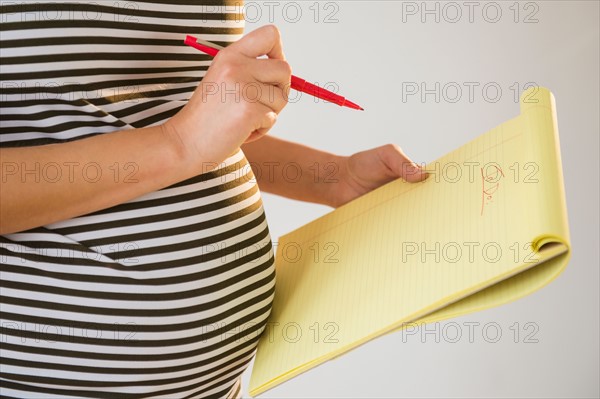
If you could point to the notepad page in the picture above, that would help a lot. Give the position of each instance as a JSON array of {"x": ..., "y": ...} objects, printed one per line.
[
  {"x": 406, "y": 250},
  {"x": 539, "y": 115}
]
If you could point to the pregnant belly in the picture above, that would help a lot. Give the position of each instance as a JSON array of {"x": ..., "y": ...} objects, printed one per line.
[{"x": 163, "y": 295}]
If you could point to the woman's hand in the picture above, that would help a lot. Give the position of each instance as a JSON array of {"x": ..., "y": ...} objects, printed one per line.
[
  {"x": 367, "y": 170},
  {"x": 303, "y": 173},
  {"x": 206, "y": 131},
  {"x": 238, "y": 99}
]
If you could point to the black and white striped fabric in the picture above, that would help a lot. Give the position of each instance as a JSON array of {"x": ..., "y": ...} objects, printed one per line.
[{"x": 164, "y": 296}]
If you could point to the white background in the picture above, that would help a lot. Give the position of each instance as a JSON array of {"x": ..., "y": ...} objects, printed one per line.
[{"x": 374, "y": 51}]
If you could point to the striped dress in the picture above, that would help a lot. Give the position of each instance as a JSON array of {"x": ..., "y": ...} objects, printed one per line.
[{"x": 164, "y": 296}]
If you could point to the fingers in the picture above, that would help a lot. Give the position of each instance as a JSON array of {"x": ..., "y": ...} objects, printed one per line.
[
  {"x": 261, "y": 80},
  {"x": 262, "y": 125},
  {"x": 262, "y": 41},
  {"x": 268, "y": 95},
  {"x": 274, "y": 78},
  {"x": 395, "y": 159},
  {"x": 229, "y": 89},
  {"x": 272, "y": 71}
]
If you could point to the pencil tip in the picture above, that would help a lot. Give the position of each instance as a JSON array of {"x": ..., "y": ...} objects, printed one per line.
[{"x": 362, "y": 109}]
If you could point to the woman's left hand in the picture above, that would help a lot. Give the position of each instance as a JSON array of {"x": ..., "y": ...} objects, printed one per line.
[{"x": 368, "y": 170}]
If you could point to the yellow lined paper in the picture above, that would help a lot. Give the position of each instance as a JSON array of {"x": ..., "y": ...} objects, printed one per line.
[{"x": 488, "y": 226}]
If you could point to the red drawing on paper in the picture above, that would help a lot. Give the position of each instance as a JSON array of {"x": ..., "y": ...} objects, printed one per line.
[{"x": 491, "y": 176}]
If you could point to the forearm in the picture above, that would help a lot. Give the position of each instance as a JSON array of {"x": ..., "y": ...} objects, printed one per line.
[
  {"x": 294, "y": 170},
  {"x": 49, "y": 183}
]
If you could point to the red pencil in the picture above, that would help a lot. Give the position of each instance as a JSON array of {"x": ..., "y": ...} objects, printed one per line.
[{"x": 296, "y": 83}]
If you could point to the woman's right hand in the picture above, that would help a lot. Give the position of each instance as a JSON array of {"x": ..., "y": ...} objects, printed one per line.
[
  {"x": 238, "y": 99},
  {"x": 211, "y": 127}
]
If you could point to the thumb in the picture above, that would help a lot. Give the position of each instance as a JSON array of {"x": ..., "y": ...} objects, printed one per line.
[{"x": 395, "y": 159}]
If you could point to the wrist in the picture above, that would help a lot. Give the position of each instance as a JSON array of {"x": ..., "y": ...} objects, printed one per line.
[
  {"x": 332, "y": 184},
  {"x": 179, "y": 152}
]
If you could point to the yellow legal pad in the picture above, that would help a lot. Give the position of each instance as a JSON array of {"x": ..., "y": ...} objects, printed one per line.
[{"x": 488, "y": 226}]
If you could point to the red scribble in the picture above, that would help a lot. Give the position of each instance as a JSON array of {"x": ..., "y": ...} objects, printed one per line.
[{"x": 490, "y": 184}]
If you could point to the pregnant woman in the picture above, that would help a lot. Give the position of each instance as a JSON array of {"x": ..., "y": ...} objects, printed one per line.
[{"x": 135, "y": 255}]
